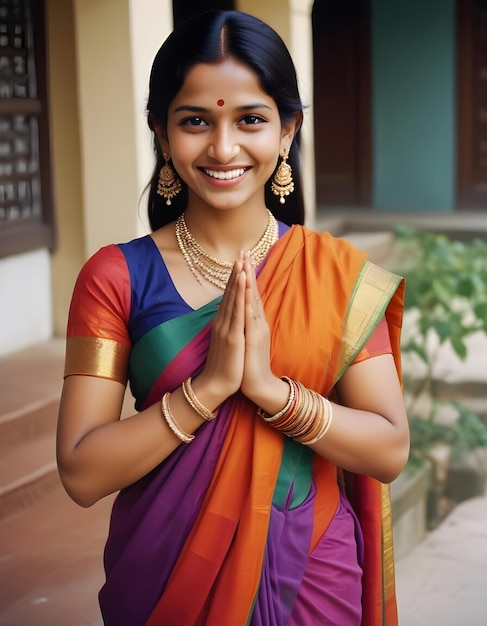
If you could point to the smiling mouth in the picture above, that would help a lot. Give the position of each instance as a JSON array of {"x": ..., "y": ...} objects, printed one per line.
[{"x": 227, "y": 175}]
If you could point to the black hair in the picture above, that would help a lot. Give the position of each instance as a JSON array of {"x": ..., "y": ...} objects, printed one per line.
[{"x": 207, "y": 38}]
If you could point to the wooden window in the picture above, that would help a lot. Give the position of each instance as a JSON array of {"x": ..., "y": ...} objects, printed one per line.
[{"x": 26, "y": 205}]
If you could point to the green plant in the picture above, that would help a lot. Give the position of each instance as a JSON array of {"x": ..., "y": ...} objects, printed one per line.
[{"x": 446, "y": 296}]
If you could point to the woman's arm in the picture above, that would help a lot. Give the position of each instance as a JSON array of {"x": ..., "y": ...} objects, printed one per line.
[
  {"x": 97, "y": 452},
  {"x": 369, "y": 433}
]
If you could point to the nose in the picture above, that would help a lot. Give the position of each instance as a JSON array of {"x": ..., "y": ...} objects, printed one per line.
[{"x": 223, "y": 145}]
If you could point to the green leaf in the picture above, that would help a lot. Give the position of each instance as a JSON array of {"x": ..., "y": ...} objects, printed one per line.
[
  {"x": 443, "y": 330},
  {"x": 459, "y": 346}
]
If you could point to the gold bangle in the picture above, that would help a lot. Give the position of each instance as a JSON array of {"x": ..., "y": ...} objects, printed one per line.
[
  {"x": 326, "y": 423},
  {"x": 307, "y": 418},
  {"x": 289, "y": 423},
  {"x": 273, "y": 418},
  {"x": 171, "y": 422},
  {"x": 195, "y": 404},
  {"x": 308, "y": 415}
]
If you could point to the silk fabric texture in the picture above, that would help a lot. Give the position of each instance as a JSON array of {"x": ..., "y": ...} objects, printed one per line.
[{"x": 322, "y": 299}]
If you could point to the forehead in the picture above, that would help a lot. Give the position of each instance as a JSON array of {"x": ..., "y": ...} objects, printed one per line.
[{"x": 228, "y": 79}]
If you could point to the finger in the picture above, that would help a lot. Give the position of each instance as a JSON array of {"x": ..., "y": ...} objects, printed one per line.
[
  {"x": 231, "y": 318},
  {"x": 252, "y": 294},
  {"x": 253, "y": 309},
  {"x": 229, "y": 293},
  {"x": 238, "y": 312},
  {"x": 250, "y": 270}
]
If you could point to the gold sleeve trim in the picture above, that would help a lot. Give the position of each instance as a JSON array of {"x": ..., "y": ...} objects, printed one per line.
[{"x": 92, "y": 356}]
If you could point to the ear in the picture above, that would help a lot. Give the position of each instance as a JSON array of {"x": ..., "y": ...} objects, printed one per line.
[
  {"x": 160, "y": 133},
  {"x": 289, "y": 130}
]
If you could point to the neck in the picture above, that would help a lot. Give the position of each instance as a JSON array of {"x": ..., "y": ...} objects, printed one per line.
[{"x": 216, "y": 270}]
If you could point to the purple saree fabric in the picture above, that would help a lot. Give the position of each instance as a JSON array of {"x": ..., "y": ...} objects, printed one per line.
[
  {"x": 285, "y": 559},
  {"x": 323, "y": 588},
  {"x": 331, "y": 588},
  {"x": 150, "y": 522}
]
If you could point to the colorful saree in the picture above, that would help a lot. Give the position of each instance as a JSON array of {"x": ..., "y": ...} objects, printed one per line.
[{"x": 232, "y": 528}]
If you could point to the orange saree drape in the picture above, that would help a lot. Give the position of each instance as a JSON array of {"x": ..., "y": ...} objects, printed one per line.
[{"x": 311, "y": 287}]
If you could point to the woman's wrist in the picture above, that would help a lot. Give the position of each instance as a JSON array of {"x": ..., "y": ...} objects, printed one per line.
[
  {"x": 306, "y": 417},
  {"x": 195, "y": 403},
  {"x": 271, "y": 397},
  {"x": 208, "y": 393}
]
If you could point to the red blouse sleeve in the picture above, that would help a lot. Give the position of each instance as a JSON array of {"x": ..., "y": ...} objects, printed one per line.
[
  {"x": 98, "y": 343},
  {"x": 378, "y": 343}
]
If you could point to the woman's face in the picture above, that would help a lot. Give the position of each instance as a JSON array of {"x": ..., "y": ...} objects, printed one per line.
[{"x": 224, "y": 135}]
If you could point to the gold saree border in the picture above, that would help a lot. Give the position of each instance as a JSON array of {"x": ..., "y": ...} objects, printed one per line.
[
  {"x": 94, "y": 356},
  {"x": 374, "y": 290},
  {"x": 389, "y": 585}
]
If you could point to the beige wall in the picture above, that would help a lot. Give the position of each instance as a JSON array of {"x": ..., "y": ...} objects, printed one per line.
[
  {"x": 150, "y": 23},
  {"x": 116, "y": 42},
  {"x": 273, "y": 12},
  {"x": 100, "y": 54},
  {"x": 301, "y": 46},
  {"x": 66, "y": 159},
  {"x": 106, "y": 107}
]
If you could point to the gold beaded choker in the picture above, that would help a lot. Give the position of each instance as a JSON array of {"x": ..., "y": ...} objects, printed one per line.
[{"x": 213, "y": 270}]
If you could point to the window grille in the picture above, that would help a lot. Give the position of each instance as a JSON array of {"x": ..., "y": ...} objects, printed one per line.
[{"x": 26, "y": 207}]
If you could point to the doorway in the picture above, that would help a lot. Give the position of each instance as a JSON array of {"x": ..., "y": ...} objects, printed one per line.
[
  {"x": 342, "y": 102},
  {"x": 472, "y": 104}
]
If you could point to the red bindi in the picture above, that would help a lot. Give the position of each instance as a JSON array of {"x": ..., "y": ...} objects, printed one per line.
[{"x": 220, "y": 102}]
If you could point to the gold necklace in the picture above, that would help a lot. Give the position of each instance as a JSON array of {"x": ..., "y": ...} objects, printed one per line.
[{"x": 213, "y": 270}]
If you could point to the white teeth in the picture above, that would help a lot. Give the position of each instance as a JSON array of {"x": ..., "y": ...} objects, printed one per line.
[{"x": 225, "y": 175}]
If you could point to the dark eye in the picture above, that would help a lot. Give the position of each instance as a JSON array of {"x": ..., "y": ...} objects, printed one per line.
[
  {"x": 252, "y": 119},
  {"x": 194, "y": 121}
]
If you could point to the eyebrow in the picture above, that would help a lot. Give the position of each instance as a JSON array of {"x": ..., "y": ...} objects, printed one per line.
[{"x": 245, "y": 107}]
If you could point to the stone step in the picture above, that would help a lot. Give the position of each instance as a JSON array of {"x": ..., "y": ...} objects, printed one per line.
[
  {"x": 27, "y": 457},
  {"x": 30, "y": 387},
  {"x": 30, "y": 390},
  {"x": 31, "y": 376},
  {"x": 28, "y": 423}
]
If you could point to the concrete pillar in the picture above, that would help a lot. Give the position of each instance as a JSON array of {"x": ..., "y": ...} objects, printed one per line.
[{"x": 116, "y": 42}]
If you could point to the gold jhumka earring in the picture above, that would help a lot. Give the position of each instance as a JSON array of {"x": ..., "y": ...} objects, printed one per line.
[
  {"x": 283, "y": 184},
  {"x": 168, "y": 185}
]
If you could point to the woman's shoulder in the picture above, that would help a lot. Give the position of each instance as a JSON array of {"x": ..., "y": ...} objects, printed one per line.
[
  {"x": 114, "y": 255},
  {"x": 330, "y": 244},
  {"x": 108, "y": 267}
]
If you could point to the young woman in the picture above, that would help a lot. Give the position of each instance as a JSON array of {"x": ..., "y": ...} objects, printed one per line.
[{"x": 264, "y": 362}]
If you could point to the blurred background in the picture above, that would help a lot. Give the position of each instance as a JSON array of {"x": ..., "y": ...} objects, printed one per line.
[{"x": 394, "y": 158}]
